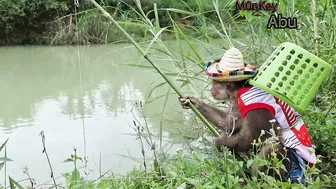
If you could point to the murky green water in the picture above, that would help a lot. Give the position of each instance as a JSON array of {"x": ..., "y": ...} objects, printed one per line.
[{"x": 40, "y": 90}]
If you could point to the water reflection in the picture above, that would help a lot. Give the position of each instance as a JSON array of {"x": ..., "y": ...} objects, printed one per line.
[
  {"x": 30, "y": 75},
  {"x": 40, "y": 90}
]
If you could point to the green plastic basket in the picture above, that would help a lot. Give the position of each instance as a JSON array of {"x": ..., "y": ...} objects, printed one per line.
[{"x": 292, "y": 74}]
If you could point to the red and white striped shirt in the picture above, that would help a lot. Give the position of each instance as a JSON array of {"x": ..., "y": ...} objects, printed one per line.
[{"x": 294, "y": 132}]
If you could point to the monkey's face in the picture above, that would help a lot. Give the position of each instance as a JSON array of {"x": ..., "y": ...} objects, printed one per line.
[{"x": 220, "y": 91}]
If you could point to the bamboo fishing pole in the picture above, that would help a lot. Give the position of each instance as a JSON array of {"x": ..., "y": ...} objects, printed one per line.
[{"x": 106, "y": 14}]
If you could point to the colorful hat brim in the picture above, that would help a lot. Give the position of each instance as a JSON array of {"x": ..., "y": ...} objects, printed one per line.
[{"x": 229, "y": 76}]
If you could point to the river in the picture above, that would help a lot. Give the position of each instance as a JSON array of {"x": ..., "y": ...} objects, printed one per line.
[{"x": 48, "y": 89}]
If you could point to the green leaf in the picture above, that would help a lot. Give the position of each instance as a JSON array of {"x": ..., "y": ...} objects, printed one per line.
[
  {"x": 242, "y": 13},
  {"x": 82, "y": 185},
  {"x": 262, "y": 162},
  {"x": 192, "y": 47},
  {"x": 172, "y": 74},
  {"x": 192, "y": 181},
  {"x": 154, "y": 39},
  {"x": 3, "y": 145},
  {"x": 5, "y": 159},
  {"x": 13, "y": 183},
  {"x": 174, "y": 174},
  {"x": 232, "y": 178},
  {"x": 75, "y": 175},
  {"x": 68, "y": 160},
  {"x": 178, "y": 11},
  {"x": 85, "y": 184},
  {"x": 151, "y": 91},
  {"x": 219, "y": 186},
  {"x": 249, "y": 163},
  {"x": 184, "y": 83},
  {"x": 156, "y": 166},
  {"x": 138, "y": 65},
  {"x": 142, "y": 66},
  {"x": 75, "y": 157},
  {"x": 249, "y": 16},
  {"x": 77, "y": 186},
  {"x": 1, "y": 165},
  {"x": 182, "y": 186},
  {"x": 129, "y": 23},
  {"x": 323, "y": 3},
  {"x": 156, "y": 98},
  {"x": 162, "y": 115}
]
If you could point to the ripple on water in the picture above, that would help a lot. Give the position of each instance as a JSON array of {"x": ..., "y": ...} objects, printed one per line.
[{"x": 11, "y": 127}]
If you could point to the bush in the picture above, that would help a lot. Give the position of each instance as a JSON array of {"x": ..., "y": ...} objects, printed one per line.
[{"x": 22, "y": 20}]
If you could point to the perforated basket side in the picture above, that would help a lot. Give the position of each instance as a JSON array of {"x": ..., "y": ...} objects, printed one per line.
[{"x": 292, "y": 74}]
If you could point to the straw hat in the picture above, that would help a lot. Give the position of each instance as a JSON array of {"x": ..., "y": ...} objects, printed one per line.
[{"x": 230, "y": 67}]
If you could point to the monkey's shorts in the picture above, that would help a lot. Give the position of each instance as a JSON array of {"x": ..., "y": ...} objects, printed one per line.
[{"x": 296, "y": 174}]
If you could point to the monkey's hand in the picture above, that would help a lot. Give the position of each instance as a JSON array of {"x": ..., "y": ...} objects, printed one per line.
[
  {"x": 185, "y": 102},
  {"x": 221, "y": 141}
]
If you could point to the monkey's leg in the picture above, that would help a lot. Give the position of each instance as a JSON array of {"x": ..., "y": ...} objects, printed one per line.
[
  {"x": 260, "y": 119},
  {"x": 240, "y": 142}
]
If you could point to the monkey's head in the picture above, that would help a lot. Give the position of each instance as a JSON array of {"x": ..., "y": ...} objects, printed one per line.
[{"x": 226, "y": 90}]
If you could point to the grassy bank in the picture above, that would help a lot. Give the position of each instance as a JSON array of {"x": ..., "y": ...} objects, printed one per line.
[
  {"x": 197, "y": 167},
  {"x": 58, "y": 22}
]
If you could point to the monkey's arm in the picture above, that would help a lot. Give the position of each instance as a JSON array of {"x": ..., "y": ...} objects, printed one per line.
[
  {"x": 240, "y": 142},
  {"x": 216, "y": 116}
]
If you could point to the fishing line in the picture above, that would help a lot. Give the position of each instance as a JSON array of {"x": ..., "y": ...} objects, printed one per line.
[{"x": 81, "y": 86}]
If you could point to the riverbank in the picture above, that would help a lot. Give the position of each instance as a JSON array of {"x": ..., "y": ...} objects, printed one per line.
[{"x": 59, "y": 22}]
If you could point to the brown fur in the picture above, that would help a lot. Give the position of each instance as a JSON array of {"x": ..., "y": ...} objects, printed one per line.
[{"x": 246, "y": 131}]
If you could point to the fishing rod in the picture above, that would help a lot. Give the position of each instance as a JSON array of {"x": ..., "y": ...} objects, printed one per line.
[{"x": 144, "y": 54}]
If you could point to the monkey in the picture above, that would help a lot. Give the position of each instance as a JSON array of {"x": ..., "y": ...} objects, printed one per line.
[
  {"x": 260, "y": 116},
  {"x": 247, "y": 129}
]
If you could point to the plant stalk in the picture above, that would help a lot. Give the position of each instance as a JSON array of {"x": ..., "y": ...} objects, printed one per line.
[
  {"x": 106, "y": 14},
  {"x": 45, "y": 152},
  {"x": 313, "y": 9}
]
